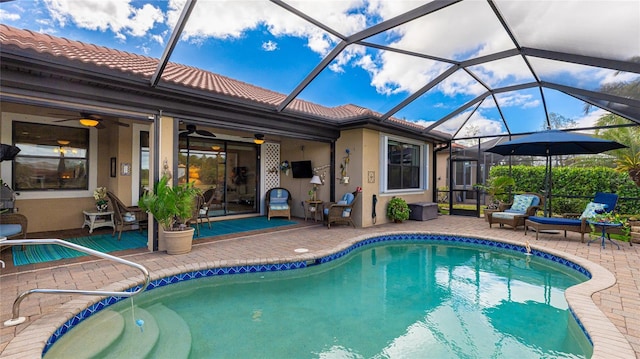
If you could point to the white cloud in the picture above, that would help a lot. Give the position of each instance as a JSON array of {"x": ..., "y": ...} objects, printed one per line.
[
  {"x": 118, "y": 16},
  {"x": 158, "y": 38},
  {"x": 478, "y": 124},
  {"x": 8, "y": 16},
  {"x": 269, "y": 46},
  {"x": 589, "y": 119},
  {"x": 510, "y": 99}
]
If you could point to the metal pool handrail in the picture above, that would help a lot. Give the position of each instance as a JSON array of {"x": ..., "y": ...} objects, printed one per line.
[{"x": 16, "y": 319}]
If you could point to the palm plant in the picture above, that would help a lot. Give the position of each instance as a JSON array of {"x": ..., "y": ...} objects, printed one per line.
[{"x": 172, "y": 207}]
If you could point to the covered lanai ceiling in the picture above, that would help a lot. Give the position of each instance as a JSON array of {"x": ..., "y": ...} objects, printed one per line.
[{"x": 466, "y": 68}]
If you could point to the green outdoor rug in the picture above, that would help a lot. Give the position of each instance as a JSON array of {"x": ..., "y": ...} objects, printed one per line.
[{"x": 135, "y": 239}]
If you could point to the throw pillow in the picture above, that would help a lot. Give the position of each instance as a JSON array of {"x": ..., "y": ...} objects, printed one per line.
[
  {"x": 521, "y": 202},
  {"x": 591, "y": 209},
  {"x": 348, "y": 197}
]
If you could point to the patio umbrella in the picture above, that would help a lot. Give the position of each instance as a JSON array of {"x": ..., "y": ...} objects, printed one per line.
[{"x": 553, "y": 143}]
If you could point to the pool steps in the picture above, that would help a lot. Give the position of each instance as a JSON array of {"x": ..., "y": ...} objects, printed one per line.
[
  {"x": 97, "y": 336},
  {"x": 165, "y": 334},
  {"x": 175, "y": 335}
]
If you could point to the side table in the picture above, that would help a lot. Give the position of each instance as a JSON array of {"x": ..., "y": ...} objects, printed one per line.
[
  {"x": 604, "y": 226},
  {"x": 93, "y": 220},
  {"x": 312, "y": 210}
]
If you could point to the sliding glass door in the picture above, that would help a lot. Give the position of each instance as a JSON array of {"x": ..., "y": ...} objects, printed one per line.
[{"x": 228, "y": 168}]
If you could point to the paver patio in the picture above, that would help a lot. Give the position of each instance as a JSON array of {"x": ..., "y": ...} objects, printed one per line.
[{"x": 620, "y": 302}]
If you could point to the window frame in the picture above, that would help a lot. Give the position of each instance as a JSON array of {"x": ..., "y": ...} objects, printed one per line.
[
  {"x": 384, "y": 165},
  {"x": 6, "y": 131}
]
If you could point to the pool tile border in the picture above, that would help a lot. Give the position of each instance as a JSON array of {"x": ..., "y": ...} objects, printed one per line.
[{"x": 258, "y": 268}]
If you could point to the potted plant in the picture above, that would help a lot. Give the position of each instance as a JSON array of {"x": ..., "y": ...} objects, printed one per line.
[
  {"x": 398, "y": 209},
  {"x": 498, "y": 189},
  {"x": 172, "y": 207}
]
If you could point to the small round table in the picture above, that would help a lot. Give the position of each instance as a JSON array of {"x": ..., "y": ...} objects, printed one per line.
[
  {"x": 313, "y": 209},
  {"x": 95, "y": 219},
  {"x": 604, "y": 226}
]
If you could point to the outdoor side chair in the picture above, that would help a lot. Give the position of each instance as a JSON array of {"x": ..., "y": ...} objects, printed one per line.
[
  {"x": 278, "y": 202},
  {"x": 198, "y": 203},
  {"x": 124, "y": 215},
  {"x": 341, "y": 211},
  {"x": 207, "y": 201}
]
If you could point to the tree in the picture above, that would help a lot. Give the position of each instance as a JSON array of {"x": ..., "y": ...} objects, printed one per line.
[
  {"x": 557, "y": 121},
  {"x": 627, "y": 159}
]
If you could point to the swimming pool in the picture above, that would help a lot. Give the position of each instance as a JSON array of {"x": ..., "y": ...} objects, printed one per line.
[{"x": 392, "y": 296}]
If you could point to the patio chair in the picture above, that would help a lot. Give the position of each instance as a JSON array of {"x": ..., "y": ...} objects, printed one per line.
[
  {"x": 124, "y": 215},
  {"x": 13, "y": 226},
  {"x": 573, "y": 222},
  {"x": 198, "y": 204},
  {"x": 514, "y": 214},
  {"x": 278, "y": 201},
  {"x": 207, "y": 201},
  {"x": 341, "y": 211}
]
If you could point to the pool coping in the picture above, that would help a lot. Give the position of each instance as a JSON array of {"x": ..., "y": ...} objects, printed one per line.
[{"x": 606, "y": 338}]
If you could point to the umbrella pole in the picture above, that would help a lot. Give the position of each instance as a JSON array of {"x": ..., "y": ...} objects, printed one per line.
[{"x": 548, "y": 185}]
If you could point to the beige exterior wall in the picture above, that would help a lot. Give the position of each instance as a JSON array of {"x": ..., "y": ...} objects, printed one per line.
[
  {"x": 364, "y": 170},
  {"x": 319, "y": 155},
  {"x": 441, "y": 171},
  {"x": 62, "y": 211},
  {"x": 50, "y": 211}
]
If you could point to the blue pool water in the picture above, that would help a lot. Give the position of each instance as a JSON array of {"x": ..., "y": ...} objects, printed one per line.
[{"x": 388, "y": 300}]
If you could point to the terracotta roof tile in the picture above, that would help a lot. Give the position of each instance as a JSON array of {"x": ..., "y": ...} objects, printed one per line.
[{"x": 178, "y": 74}]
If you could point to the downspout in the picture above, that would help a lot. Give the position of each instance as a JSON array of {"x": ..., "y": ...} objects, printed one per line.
[
  {"x": 153, "y": 226},
  {"x": 332, "y": 171},
  {"x": 434, "y": 177}
]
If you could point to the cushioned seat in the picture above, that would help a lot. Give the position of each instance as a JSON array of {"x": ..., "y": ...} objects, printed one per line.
[
  {"x": 514, "y": 214},
  {"x": 601, "y": 201},
  {"x": 278, "y": 203},
  {"x": 13, "y": 226},
  {"x": 8, "y": 230},
  {"x": 340, "y": 212}
]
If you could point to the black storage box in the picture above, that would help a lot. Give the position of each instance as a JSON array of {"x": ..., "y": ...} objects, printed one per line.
[{"x": 423, "y": 211}]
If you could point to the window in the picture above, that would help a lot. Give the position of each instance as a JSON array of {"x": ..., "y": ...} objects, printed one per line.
[
  {"x": 50, "y": 158},
  {"x": 405, "y": 165}
]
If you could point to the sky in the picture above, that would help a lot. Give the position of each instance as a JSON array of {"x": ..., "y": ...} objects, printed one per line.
[{"x": 263, "y": 44}]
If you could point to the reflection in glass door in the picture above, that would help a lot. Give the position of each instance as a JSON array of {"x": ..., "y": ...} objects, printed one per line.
[
  {"x": 465, "y": 199},
  {"x": 227, "y": 169}
]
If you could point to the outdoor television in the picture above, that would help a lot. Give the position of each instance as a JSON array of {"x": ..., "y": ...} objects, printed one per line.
[{"x": 301, "y": 169}]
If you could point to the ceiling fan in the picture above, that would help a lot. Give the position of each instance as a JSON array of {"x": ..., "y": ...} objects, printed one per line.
[
  {"x": 191, "y": 129},
  {"x": 89, "y": 120}
]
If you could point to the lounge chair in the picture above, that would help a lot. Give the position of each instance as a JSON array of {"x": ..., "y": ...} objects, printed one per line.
[
  {"x": 341, "y": 212},
  {"x": 573, "y": 222},
  {"x": 278, "y": 202},
  {"x": 124, "y": 215},
  {"x": 514, "y": 214}
]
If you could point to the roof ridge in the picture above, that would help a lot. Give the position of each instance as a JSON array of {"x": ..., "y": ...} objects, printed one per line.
[{"x": 180, "y": 74}]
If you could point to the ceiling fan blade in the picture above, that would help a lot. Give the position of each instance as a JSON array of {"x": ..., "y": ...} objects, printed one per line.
[
  {"x": 122, "y": 124},
  {"x": 100, "y": 125},
  {"x": 205, "y": 133},
  {"x": 66, "y": 119}
]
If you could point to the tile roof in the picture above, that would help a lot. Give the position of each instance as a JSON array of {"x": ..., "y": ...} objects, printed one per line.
[{"x": 178, "y": 74}]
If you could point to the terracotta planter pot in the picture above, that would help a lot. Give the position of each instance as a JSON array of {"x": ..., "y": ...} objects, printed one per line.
[{"x": 178, "y": 242}]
